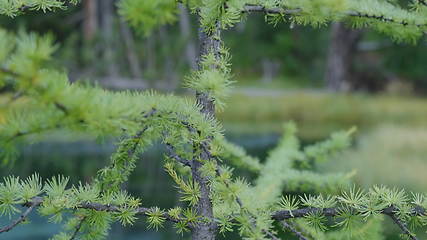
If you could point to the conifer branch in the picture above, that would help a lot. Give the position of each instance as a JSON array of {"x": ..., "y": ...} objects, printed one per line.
[
  {"x": 256, "y": 8},
  {"x": 270, "y": 234},
  {"x": 112, "y": 208},
  {"x": 402, "y": 226},
  {"x": 25, "y": 7},
  {"x": 381, "y": 18},
  {"x": 240, "y": 203},
  {"x": 77, "y": 230},
  {"x": 422, "y": 2},
  {"x": 172, "y": 154},
  {"x": 200, "y": 125},
  {"x": 288, "y": 226},
  {"x": 335, "y": 211},
  {"x": 37, "y": 201},
  {"x": 21, "y": 218},
  {"x": 284, "y": 11}
]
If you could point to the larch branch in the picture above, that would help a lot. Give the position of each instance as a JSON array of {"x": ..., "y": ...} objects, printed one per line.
[
  {"x": 284, "y": 11},
  {"x": 37, "y": 201},
  {"x": 77, "y": 229},
  {"x": 21, "y": 218},
  {"x": 288, "y": 226},
  {"x": 333, "y": 212},
  {"x": 402, "y": 226}
]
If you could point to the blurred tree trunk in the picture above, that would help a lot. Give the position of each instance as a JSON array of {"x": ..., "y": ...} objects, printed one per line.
[
  {"x": 169, "y": 74},
  {"x": 190, "y": 47},
  {"x": 107, "y": 16},
  {"x": 270, "y": 70},
  {"x": 150, "y": 54},
  {"x": 90, "y": 21},
  {"x": 134, "y": 64},
  {"x": 343, "y": 46}
]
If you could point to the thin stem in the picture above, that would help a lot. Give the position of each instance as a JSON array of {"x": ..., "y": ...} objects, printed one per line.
[
  {"x": 37, "y": 201},
  {"x": 77, "y": 230},
  {"x": 21, "y": 218},
  {"x": 402, "y": 226},
  {"x": 333, "y": 212},
  {"x": 288, "y": 226},
  {"x": 172, "y": 154},
  {"x": 284, "y": 11},
  {"x": 270, "y": 234},
  {"x": 256, "y": 8}
]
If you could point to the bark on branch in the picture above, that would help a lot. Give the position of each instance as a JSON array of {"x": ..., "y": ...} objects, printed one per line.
[
  {"x": 205, "y": 230},
  {"x": 288, "y": 226},
  {"x": 333, "y": 212},
  {"x": 284, "y": 11},
  {"x": 37, "y": 201},
  {"x": 21, "y": 218}
]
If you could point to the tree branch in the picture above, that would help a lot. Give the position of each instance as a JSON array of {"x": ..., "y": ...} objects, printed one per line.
[
  {"x": 37, "y": 201},
  {"x": 172, "y": 154},
  {"x": 333, "y": 212},
  {"x": 284, "y": 11},
  {"x": 27, "y": 7},
  {"x": 270, "y": 234},
  {"x": 77, "y": 230},
  {"x": 22, "y": 218},
  {"x": 422, "y": 2},
  {"x": 287, "y": 225},
  {"x": 256, "y": 8},
  {"x": 402, "y": 226},
  {"x": 112, "y": 208}
]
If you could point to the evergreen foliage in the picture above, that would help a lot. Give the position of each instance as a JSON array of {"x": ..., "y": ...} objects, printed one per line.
[{"x": 41, "y": 100}]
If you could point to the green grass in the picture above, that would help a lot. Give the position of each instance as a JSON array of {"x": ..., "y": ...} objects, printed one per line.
[
  {"x": 390, "y": 155},
  {"x": 318, "y": 114}
]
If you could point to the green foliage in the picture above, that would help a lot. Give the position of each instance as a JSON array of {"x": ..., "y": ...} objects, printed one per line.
[
  {"x": 41, "y": 100},
  {"x": 358, "y": 212},
  {"x": 13, "y": 8},
  {"x": 322, "y": 151},
  {"x": 155, "y": 218},
  {"x": 146, "y": 15},
  {"x": 215, "y": 81},
  {"x": 190, "y": 190},
  {"x": 9, "y": 190}
]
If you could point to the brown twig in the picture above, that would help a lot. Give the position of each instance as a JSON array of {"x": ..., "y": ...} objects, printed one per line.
[
  {"x": 283, "y": 11},
  {"x": 23, "y": 216},
  {"x": 402, "y": 226},
  {"x": 270, "y": 234},
  {"x": 77, "y": 230},
  {"x": 288, "y": 226},
  {"x": 332, "y": 212}
]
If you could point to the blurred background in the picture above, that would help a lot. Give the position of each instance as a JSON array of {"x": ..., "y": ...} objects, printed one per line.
[{"x": 325, "y": 80}]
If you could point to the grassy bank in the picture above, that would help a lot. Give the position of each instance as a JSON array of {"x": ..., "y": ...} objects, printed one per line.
[
  {"x": 318, "y": 114},
  {"x": 390, "y": 155}
]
